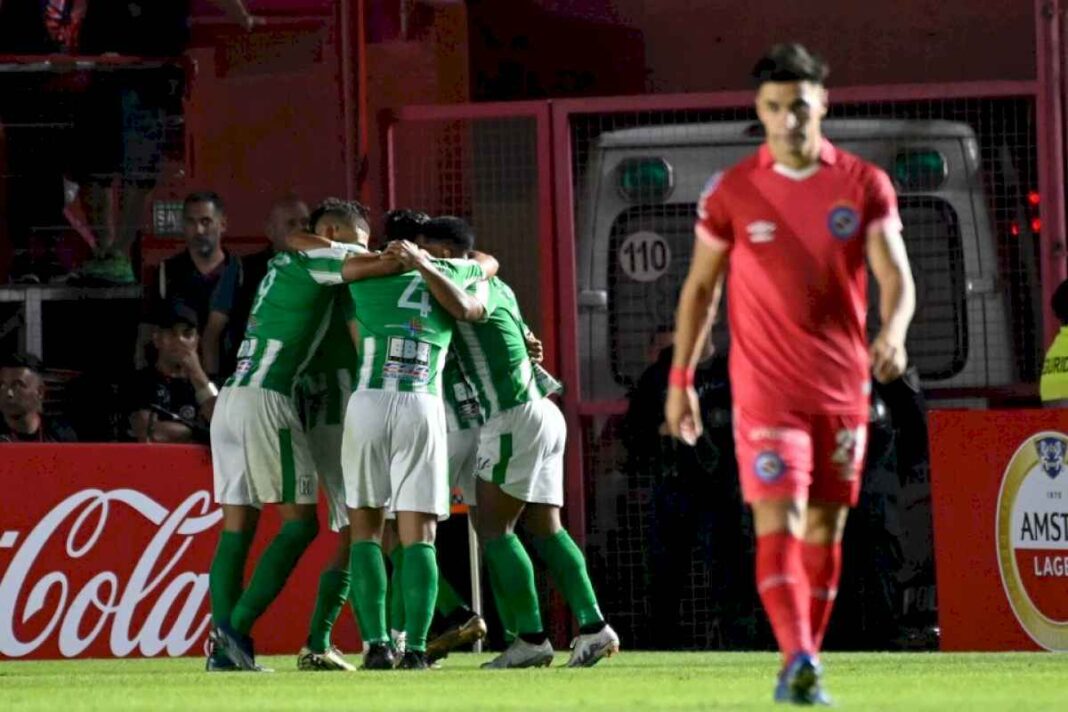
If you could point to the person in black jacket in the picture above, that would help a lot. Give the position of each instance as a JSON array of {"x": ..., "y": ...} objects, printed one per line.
[{"x": 695, "y": 503}]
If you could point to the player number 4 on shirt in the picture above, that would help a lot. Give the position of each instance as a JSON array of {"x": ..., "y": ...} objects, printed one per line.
[{"x": 406, "y": 301}]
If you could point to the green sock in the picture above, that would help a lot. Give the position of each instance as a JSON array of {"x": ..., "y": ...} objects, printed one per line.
[
  {"x": 228, "y": 573},
  {"x": 448, "y": 600},
  {"x": 420, "y": 582},
  {"x": 272, "y": 570},
  {"x": 568, "y": 568},
  {"x": 333, "y": 592},
  {"x": 368, "y": 590},
  {"x": 396, "y": 589},
  {"x": 504, "y": 611},
  {"x": 510, "y": 563}
]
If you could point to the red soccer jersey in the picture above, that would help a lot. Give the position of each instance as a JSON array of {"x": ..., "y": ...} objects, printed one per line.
[{"x": 797, "y": 280}]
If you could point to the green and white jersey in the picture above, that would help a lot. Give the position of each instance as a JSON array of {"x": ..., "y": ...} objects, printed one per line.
[
  {"x": 493, "y": 354},
  {"x": 462, "y": 410},
  {"x": 404, "y": 333},
  {"x": 291, "y": 312},
  {"x": 324, "y": 386}
]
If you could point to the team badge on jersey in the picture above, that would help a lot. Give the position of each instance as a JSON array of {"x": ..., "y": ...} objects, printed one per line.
[
  {"x": 843, "y": 221},
  {"x": 769, "y": 466}
]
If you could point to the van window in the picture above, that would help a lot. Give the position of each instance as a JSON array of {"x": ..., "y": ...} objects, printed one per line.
[
  {"x": 650, "y": 248},
  {"x": 938, "y": 336}
]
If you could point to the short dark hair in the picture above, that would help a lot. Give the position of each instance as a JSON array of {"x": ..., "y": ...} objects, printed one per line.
[
  {"x": 405, "y": 224},
  {"x": 22, "y": 359},
  {"x": 351, "y": 212},
  {"x": 1059, "y": 302},
  {"x": 789, "y": 62},
  {"x": 204, "y": 196},
  {"x": 451, "y": 231}
]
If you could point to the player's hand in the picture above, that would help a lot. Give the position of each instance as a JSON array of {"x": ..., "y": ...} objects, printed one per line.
[
  {"x": 888, "y": 357},
  {"x": 190, "y": 361},
  {"x": 535, "y": 350},
  {"x": 408, "y": 253},
  {"x": 683, "y": 415}
]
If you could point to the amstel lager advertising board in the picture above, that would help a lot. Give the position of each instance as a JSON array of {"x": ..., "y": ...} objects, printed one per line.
[{"x": 999, "y": 480}]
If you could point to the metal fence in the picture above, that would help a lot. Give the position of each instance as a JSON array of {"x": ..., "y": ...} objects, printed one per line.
[{"x": 590, "y": 204}]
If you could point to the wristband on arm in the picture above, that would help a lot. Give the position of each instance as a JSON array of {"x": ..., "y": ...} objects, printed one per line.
[{"x": 680, "y": 377}]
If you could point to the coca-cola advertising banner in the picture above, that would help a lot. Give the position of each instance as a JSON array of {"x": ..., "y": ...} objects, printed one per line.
[
  {"x": 999, "y": 482},
  {"x": 105, "y": 552}
]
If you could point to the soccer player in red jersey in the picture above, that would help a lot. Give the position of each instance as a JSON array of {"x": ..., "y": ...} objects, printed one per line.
[{"x": 794, "y": 227}]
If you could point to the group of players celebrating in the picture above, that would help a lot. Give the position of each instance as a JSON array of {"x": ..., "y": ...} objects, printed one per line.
[
  {"x": 445, "y": 383},
  {"x": 385, "y": 377}
]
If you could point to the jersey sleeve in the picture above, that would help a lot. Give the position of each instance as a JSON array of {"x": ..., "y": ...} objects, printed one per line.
[
  {"x": 324, "y": 263},
  {"x": 463, "y": 272},
  {"x": 880, "y": 208},
  {"x": 713, "y": 225}
]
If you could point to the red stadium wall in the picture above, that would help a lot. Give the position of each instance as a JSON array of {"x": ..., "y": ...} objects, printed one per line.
[
  {"x": 684, "y": 46},
  {"x": 264, "y": 116},
  {"x": 265, "y": 109}
]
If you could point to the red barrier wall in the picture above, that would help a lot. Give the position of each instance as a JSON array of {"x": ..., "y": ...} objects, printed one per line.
[
  {"x": 105, "y": 551},
  {"x": 999, "y": 484}
]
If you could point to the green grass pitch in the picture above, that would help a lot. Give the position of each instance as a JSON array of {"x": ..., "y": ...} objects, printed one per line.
[{"x": 632, "y": 680}]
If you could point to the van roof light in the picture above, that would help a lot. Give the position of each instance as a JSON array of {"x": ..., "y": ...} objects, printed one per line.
[
  {"x": 645, "y": 179},
  {"x": 920, "y": 169}
]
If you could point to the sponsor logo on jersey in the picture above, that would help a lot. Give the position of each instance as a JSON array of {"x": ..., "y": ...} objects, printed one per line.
[
  {"x": 761, "y": 231},
  {"x": 843, "y": 221},
  {"x": 1032, "y": 538},
  {"x": 769, "y": 466}
]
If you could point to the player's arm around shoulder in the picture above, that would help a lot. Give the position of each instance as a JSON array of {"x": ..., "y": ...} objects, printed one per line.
[
  {"x": 370, "y": 265},
  {"x": 488, "y": 263},
  {"x": 447, "y": 290},
  {"x": 889, "y": 263}
]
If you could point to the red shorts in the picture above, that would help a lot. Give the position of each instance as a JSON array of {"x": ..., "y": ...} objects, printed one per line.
[{"x": 794, "y": 455}]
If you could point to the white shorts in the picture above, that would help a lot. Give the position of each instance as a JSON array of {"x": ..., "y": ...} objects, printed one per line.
[
  {"x": 259, "y": 451},
  {"x": 325, "y": 444},
  {"x": 394, "y": 453},
  {"x": 463, "y": 457},
  {"x": 522, "y": 451}
]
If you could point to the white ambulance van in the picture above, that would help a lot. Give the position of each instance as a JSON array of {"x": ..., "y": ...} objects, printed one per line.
[{"x": 638, "y": 196}]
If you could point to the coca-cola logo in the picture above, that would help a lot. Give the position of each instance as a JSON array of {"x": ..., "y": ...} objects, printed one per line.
[{"x": 151, "y": 607}]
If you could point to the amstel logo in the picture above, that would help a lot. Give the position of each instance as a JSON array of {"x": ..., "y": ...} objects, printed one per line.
[{"x": 1032, "y": 537}]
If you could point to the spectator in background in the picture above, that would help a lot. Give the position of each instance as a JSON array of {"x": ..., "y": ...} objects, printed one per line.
[
  {"x": 288, "y": 214},
  {"x": 204, "y": 277},
  {"x": 172, "y": 401},
  {"x": 22, "y": 391},
  {"x": 695, "y": 500},
  {"x": 1053, "y": 384}
]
